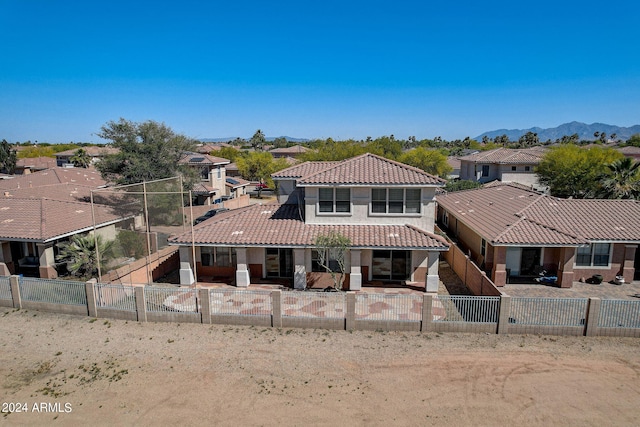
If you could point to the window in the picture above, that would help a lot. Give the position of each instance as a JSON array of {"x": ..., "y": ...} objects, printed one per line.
[
  {"x": 527, "y": 168},
  {"x": 483, "y": 247},
  {"x": 395, "y": 200},
  {"x": 334, "y": 200},
  {"x": 217, "y": 257},
  {"x": 445, "y": 218},
  {"x": 333, "y": 263},
  {"x": 219, "y": 172},
  {"x": 596, "y": 255},
  {"x": 204, "y": 173},
  {"x": 485, "y": 170},
  {"x": 513, "y": 168}
]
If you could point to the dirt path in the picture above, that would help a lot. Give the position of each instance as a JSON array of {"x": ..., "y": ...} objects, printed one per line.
[{"x": 110, "y": 371}]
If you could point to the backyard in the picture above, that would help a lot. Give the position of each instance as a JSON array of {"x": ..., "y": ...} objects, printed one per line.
[{"x": 114, "y": 371}]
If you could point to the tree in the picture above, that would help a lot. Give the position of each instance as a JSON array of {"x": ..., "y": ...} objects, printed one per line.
[
  {"x": 258, "y": 166},
  {"x": 572, "y": 171},
  {"x": 81, "y": 159},
  {"x": 529, "y": 139},
  {"x": 624, "y": 180},
  {"x": 332, "y": 248},
  {"x": 430, "y": 161},
  {"x": 502, "y": 140},
  {"x": 148, "y": 151},
  {"x": 258, "y": 140},
  {"x": 461, "y": 184},
  {"x": 81, "y": 257},
  {"x": 634, "y": 140},
  {"x": 8, "y": 157},
  {"x": 229, "y": 153}
]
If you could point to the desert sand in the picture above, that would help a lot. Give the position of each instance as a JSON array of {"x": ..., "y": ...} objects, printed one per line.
[{"x": 72, "y": 370}]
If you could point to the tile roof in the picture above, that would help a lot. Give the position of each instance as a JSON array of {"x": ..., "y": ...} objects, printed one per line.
[
  {"x": 508, "y": 214},
  {"x": 44, "y": 219},
  {"x": 199, "y": 188},
  {"x": 507, "y": 156},
  {"x": 81, "y": 176},
  {"x": 202, "y": 159},
  {"x": 279, "y": 225},
  {"x": 296, "y": 149},
  {"x": 64, "y": 191},
  {"x": 369, "y": 169},
  {"x": 236, "y": 182},
  {"x": 302, "y": 170},
  {"x": 36, "y": 163}
]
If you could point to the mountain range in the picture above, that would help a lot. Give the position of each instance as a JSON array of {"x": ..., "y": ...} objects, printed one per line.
[{"x": 584, "y": 131}]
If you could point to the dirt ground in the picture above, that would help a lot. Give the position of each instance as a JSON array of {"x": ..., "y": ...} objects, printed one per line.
[{"x": 72, "y": 370}]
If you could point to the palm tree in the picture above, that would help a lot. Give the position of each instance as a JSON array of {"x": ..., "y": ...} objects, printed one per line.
[
  {"x": 80, "y": 254},
  {"x": 81, "y": 159},
  {"x": 624, "y": 180}
]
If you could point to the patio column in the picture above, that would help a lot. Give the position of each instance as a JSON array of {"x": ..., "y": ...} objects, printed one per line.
[
  {"x": 499, "y": 271},
  {"x": 47, "y": 262},
  {"x": 186, "y": 274},
  {"x": 565, "y": 267},
  {"x": 300, "y": 269},
  {"x": 628, "y": 268},
  {"x": 242, "y": 270},
  {"x": 433, "y": 279},
  {"x": 355, "y": 276}
]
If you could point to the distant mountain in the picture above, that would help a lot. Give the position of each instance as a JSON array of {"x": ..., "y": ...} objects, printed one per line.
[
  {"x": 584, "y": 131},
  {"x": 268, "y": 138}
]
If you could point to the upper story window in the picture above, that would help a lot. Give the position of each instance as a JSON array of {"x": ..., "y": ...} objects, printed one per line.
[
  {"x": 596, "y": 255},
  {"x": 204, "y": 173},
  {"x": 395, "y": 200},
  {"x": 334, "y": 200},
  {"x": 485, "y": 170},
  {"x": 219, "y": 172}
]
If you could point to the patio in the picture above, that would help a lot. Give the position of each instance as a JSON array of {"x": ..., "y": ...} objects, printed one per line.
[{"x": 604, "y": 290}]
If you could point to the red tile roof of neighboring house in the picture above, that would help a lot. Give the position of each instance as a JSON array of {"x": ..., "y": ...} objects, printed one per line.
[
  {"x": 236, "y": 182},
  {"x": 507, "y": 156},
  {"x": 630, "y": 151},
  {"x": 206, "y": 149},
  {"x": 280, "y": 225},
  {"x": 296, "y": 149},
  {"x": 199, "y": 188},
  {"x": 36, "y": 163},
  {"x": 64, "y": 192},
  {"x": 202, "y": 159},
  {"x": 507, "y": 214},
  {"x": 81, "y": 176},
  {"x": 370, "y": 169},
  {"x": 45, "y": 220}
]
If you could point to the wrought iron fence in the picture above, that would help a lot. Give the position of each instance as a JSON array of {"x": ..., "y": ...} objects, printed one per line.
[
  {"x": 327, "y": 305},
  {"x": 619, "y": 314},
  {"x": 404, "y": 308},
  {"x": 463, "y": 308},
  {"x": 241, "y": 303},
  {"x": 115, "y": 297},
  {"x": 548, "y": 311},
  {"x": 172, "y": 300},
  {"x": 53, "y": 291},
  {"x": 5, "y": 288}
]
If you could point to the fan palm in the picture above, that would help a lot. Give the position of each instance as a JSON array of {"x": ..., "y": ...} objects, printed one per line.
[
  {"x": 623, "y": 182},
  {"x": 80, "y": 254}
]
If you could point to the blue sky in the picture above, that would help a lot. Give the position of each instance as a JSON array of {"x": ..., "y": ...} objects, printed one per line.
[{"x": 340, "y": 69}]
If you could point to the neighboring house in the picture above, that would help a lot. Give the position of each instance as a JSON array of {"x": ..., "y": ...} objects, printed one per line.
[
  {"x": 63, "y": 158},
  {"x": 213, "y": 178},
  {"x": 236, "y": 187},
  {"x": 503, "y": 164},
  {"x": 385, "y": 208},
  {"x": 512, "y": 231},
  {"x": 630, "y": 151},
  {"x": 57, "y": 175},
  {"x": 454, "y": 162},
  {"x": 295, "y": 151},
  {"x": 208, "y": 148},
  {"x": 34, "y": 164},
  {"x": 31, "y": 228}
]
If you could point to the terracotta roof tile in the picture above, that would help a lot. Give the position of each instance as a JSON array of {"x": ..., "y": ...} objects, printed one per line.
[
  {"x": 279, "y": 225},
  {"x": 508, "y": 214},
  {"x": 370, "y": 169},
  {"x": 302, "y": 170},
  {"x": 81, "y": 176},
  {"x": 44, "y": 219},
  {"x": 507, "y": 156},
  {"x": 202, "y": 159}
]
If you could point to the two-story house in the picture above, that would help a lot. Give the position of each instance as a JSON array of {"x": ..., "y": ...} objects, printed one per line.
[
  {"x": 385, "y": 208},
  {"x": 503, "y": 164},
  {"x": 214, "y": 186}
]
